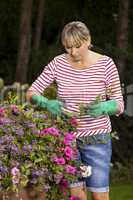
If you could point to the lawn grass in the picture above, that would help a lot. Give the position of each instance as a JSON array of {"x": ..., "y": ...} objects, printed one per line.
[{"x": 121, "y": 192}]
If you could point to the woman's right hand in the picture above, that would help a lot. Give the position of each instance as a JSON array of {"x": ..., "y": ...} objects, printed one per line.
[{"x": 53, "y": 106}]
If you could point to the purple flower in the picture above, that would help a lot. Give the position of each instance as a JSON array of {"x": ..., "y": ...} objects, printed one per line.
[
  {"x": 5, "y": 121},
  {"x": 15, "y": 175},
  {"x": 15, "y": 180},
  {"x": 14, "y": 149},
  {"x": 7, "y": 139},
  {"x": 70, "y": 169},
  {"x": 19, "y": 131},
  {"x": 33, "y": 180},
  {"x": 47, "y": 187},
  {"x": 36, "y": 131},
  {"x": 15, "y": 171},
  {"x": 31, "y": 125},
  {"x": 37, "y": 173},
  {"x": 38, "y": 115},
  {"x": 58, "y": 177},
  {"x": 27, "y": 148},
  {"x": 3, "y": 170}
]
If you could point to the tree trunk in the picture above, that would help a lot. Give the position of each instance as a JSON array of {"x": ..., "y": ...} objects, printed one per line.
[
  {"x": 25, "y": 41},
  {"x": 122, "y": 34},
  {"x": 39, "y": 25}
]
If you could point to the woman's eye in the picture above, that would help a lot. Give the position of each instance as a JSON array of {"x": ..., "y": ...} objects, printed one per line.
[{"x": 78, "y": 46}]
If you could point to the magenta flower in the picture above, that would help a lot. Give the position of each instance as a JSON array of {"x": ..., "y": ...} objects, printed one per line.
[
  {"x": 69, "y": 137},
  {"x": 70, "y": 169},
  {"x": 74, "y": 198},
  {"x": 64, "y": 183},
  {"x": 68, "y": 153},
  {"x": 73, "y": 121},
  {"x": 2, "y": 111},
  {"x": 52, "y": 131},
  {"x": 15, "y": 109},
  {"x": 59, "y": 161}
]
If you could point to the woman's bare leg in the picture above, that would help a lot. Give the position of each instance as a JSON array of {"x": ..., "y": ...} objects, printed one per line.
[
  {"x": 100, "y": 195},
  {"x": 41, "y": 196},
  {"x": 79, "y": 192}
]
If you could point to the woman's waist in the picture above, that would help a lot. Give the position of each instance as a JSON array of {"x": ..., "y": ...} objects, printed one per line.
[{"x": 100, "y": 138}]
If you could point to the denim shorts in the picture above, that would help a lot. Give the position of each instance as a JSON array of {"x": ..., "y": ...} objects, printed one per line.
[{"x": 95, "y": 151}]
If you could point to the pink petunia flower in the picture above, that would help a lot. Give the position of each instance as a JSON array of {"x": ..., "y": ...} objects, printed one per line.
[
  {"x": 14, "y": 108},
  {"x": 69, "y": 137},
  {"x": 59, "y": 161},
  {"x": 2, "y": 111},
  {"x": 68, "y": 153},
  {"x": 50, "y": 131},
  {"x": 73, "y": 121},
  {"x": 70, "y": 169},
  {"x": 74, "y": 198},
  {"x": 64, "y": 183}
]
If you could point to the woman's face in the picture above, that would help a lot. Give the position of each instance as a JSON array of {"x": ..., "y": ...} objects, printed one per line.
[{"x": 77, "y": 52}]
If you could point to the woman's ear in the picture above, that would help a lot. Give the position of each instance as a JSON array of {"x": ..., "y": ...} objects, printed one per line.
[
  {"x": 90, "y": 46},
  {"x": 89, "y": 43}
]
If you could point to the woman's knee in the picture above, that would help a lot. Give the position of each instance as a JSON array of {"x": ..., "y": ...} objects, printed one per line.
[
  {"x": 79, "y": 192},
  {"x": 100, "y": 195}
]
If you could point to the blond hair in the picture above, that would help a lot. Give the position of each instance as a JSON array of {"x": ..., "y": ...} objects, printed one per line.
[{"x": 75, "y": 33}]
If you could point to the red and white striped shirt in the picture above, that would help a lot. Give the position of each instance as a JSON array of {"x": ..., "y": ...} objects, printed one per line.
[{"x": 77, "y": 86}]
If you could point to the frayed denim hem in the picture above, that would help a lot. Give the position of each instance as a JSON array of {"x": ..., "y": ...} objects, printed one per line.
[
  {"x": 77, "y": 184},
  {"x": 100, "y": 189}
]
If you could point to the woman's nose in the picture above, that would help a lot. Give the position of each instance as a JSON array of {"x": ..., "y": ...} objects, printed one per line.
[{"x": 73, "y": 51}]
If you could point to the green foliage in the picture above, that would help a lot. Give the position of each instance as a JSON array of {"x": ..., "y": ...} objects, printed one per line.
[
  {"x": 121, "y": 174},
  {"x": 51, "y": 92},
  {"x": 123, "y": 148}
]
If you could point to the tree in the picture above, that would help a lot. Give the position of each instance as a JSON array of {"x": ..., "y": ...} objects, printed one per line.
[
  {"x": 38, "y": 25},
  {"x": 25, "y": 41},
  {"x": 122, "y": 34}
]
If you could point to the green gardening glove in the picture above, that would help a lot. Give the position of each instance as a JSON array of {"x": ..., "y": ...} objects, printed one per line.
[
  {"x": 103, "y": 108},
  {"x": 39, "y": 100},
  {"x": 53, "y": 106}
]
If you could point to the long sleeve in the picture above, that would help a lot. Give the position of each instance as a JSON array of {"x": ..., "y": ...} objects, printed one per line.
[
  {"x": 45, "y": 79},
  {"x": 113, "y": 86}
]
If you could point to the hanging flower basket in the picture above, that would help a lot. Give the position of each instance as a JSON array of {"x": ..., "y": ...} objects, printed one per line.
[{"x": 36, "y": 150}]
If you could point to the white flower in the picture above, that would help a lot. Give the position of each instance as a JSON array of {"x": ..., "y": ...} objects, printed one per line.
[{"x": 86, "y": 170}]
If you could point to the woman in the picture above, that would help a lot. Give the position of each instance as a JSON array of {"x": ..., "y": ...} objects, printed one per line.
[{"x": 84, "y": 77}]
